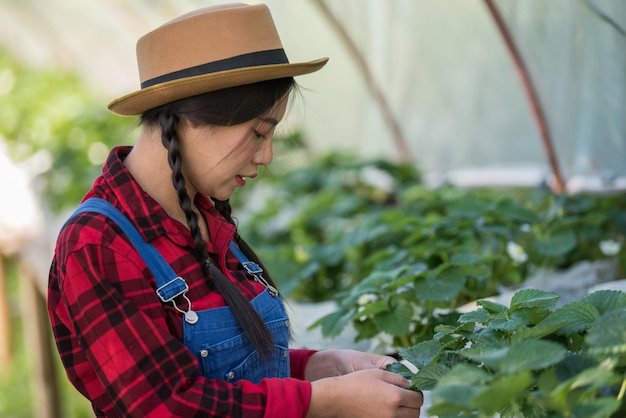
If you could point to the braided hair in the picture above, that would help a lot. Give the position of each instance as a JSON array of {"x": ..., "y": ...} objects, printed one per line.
[{"x": 222, "y": 108}]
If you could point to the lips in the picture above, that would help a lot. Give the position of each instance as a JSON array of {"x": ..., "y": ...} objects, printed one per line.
[{"x": 241, "y": 180}]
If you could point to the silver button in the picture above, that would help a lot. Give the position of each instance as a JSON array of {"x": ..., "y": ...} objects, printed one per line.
[
  {"x": 285, "y": 353},
  {"x": 287, "y": 323},
  {"x": 231, "y": 375},
  {"x": 204, "y": 353}
]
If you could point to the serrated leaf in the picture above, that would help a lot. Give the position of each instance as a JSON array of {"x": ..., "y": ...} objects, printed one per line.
[
  {"x": 501, "y": 323},
  {"x": 534, "y": 298},
  {"x": 464, "y": 373},
  {"x": 445, "y": 287},
  {"x": 502, "y": 392},
  {"x": 532, "y": 355},
  {"x": 421, "y": 354},
  {"x": 557, "y": 245},
  {"x": 480, "y": 315},
  {"x": 427, "y": 377},
  {"x": 578, "y": 316},
  {"x": 608, "y": 334},
  {"x": 401, "y": 369},
  {"x": 538, "y": 331},
  {"x": 396, "y": 321},
  {"x": 491, "y": 307},
  {"x": 521, "y": 356},
  {"x": 607, "y": 300}
]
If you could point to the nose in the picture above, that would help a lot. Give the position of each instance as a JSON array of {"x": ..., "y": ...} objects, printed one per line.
[{"x": 265, "y": 153}]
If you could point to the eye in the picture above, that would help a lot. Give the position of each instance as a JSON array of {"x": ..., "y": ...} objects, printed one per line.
[{"x": 259, "y": 135}]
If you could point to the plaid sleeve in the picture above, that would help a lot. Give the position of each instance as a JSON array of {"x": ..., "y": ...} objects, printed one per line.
[{"x": 299, "y": 359}]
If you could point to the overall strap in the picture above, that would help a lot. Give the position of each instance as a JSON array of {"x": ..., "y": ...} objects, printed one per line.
[
  {"x": 252, "y": 268},
  {"x": 169, "y": 284}
]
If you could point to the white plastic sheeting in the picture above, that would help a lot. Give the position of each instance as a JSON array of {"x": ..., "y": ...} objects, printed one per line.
[{"x": 442, "y": 65}]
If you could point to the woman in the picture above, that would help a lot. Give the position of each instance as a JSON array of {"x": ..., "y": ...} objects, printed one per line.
[{"x": 204, "y": 333}]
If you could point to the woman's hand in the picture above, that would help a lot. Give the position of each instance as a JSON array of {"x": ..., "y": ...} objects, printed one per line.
[
  {"x": 329, "y": 363},
  {"x": 364, "y": 393}
]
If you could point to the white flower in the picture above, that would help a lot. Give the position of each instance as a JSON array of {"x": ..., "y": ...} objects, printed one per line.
[
  {"x": 516, "y": 252},
  {"x": 524, "y": 228},
  {"x": 367, "y": 298},
  {"x": 610, "y": 247}
]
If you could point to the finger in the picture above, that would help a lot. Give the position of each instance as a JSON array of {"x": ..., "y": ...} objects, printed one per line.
[
  {"x": 412, "y": 399},
  {"x": 384, "y": 361},
  {"x": 395, "y": 379}
]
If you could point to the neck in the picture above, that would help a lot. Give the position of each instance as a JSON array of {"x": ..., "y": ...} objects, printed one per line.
[{"x": 148, "y": 164}]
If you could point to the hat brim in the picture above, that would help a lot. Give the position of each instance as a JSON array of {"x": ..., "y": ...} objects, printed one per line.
[{"x": 137, "y": 102}]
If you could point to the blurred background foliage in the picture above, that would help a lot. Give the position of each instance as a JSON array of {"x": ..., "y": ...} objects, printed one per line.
[{"x": 57, "y": 126}]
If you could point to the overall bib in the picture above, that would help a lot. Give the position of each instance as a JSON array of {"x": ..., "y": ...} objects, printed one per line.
[{"x": 213, "y": 335}]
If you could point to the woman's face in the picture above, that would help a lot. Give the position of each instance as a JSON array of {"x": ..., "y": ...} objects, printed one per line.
[{"x": 216, "y": 159}]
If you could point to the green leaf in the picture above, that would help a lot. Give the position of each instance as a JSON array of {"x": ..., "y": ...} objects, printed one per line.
[
  {"x": 557, "y": 245},
  {"x": 501, "y": 392},
  {"x": 374, "y": 308},
  {"x": 513, "y": 323},
  {"x": 592, "y": 378},
  {"x": 492, "y": 307},
  {"x": 421, "y": 354},
  {"x": 521, "y": 356},
  {"x": 596, "y": 408},
  {"x": 608, "y": 334},
  {"x": 334, "y": 323},
  {"x": 607, "y": 300},
  {"x": 538, "y": 331},
  {"x": 401, "y": 369},
  {"x": 577, "y": 316},
  {"x": 427, "y": 377},
  {"x": 534, "y": 298},
  {"x": 464, "y": 259},
  {"x": 480, "y": 315},
  {"x": 464, "y": 373},
  {"x": 479, "y": 272},
  {"x": 532, "y": 355},
  {"x": 396, "y": 321},
  {"x": 516, "y": 212},
  {"x": 452, "y": 400},
  {"x": 445, "y": 287}
]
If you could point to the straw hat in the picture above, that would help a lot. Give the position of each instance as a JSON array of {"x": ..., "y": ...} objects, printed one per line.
[{"x": 206, "y": 50}]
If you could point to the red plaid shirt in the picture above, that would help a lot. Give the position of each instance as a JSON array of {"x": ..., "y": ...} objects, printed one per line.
[{"x": 121, "y": 346}]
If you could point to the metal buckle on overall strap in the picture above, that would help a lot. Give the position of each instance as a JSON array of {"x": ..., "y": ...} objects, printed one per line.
[{"x": 173, "y": 289}]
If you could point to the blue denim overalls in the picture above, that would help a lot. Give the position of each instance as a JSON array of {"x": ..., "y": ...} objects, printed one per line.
[{"x": 213, "y": 335}]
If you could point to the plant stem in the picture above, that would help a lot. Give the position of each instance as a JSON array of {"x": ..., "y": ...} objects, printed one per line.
[{"x": 533, "y": 97}]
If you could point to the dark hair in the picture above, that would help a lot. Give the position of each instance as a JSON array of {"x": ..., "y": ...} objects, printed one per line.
[{"x": 224, "y": 107}]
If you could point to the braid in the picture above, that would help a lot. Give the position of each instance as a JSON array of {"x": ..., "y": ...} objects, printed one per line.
[
  {"x": 247, "y": 317},
  {"x": 169, "y": 138},
  {"x": 224, "y": 208}
]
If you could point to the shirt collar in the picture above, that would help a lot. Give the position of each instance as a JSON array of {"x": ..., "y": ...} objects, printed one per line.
[{"x": 118, "y": 186}]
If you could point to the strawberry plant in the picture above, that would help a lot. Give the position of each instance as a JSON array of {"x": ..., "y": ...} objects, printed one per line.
[{"x": 527, "y": 359}]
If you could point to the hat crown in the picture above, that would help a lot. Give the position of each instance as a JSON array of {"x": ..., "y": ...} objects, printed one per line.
[
  {"x": 206, "y": 50},
  {"x": 204, "y": 36}
]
